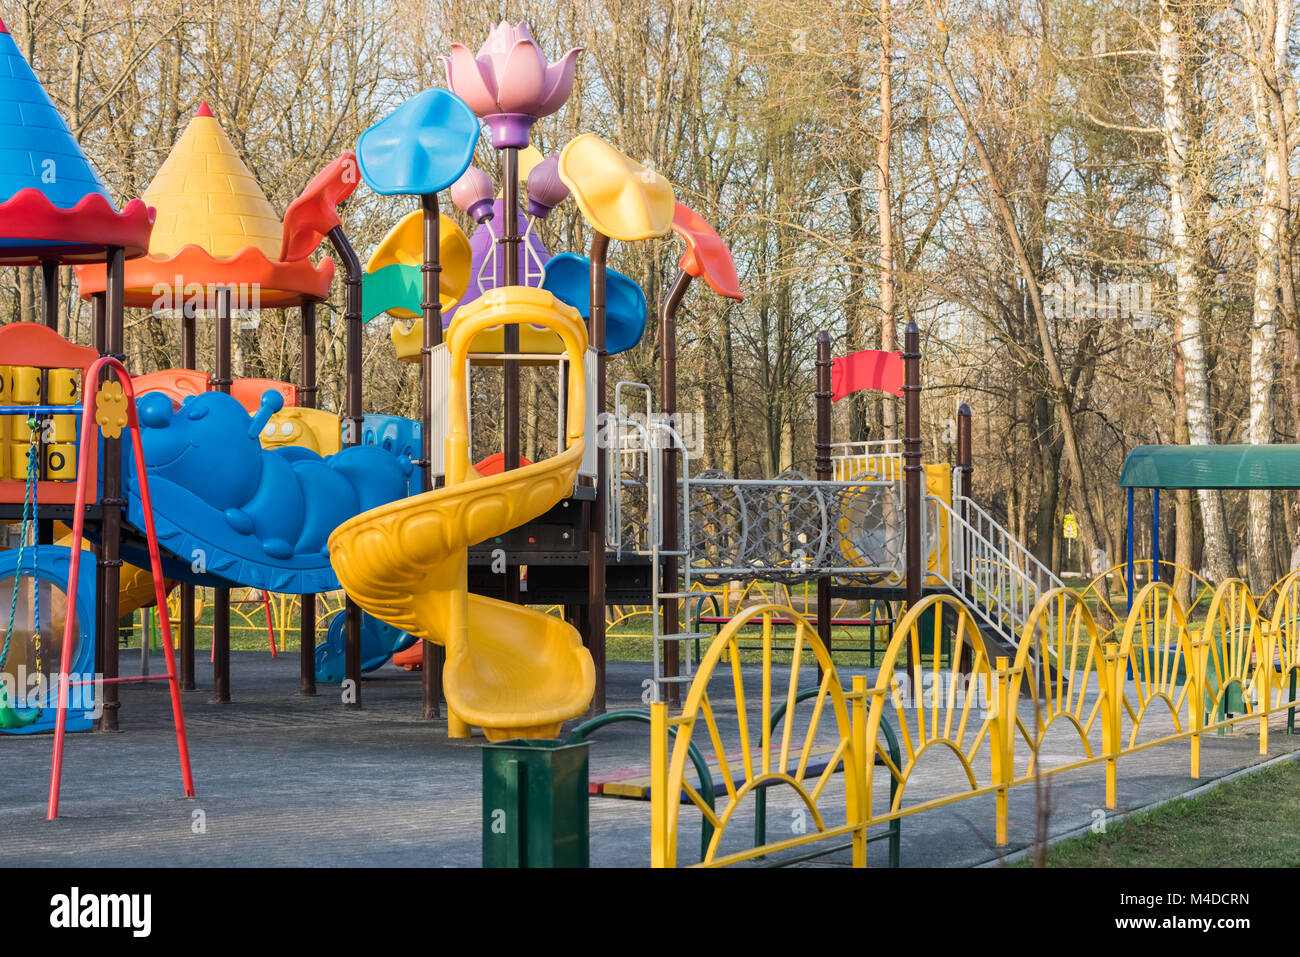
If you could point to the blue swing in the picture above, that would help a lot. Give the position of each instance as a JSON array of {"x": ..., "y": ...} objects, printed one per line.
[{"x": 11, "y": 715}]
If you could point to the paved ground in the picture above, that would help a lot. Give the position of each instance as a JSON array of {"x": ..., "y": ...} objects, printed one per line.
[{"x": 286, "y": 780}]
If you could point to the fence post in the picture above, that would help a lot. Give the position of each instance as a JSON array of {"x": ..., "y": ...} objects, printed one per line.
[
  {"x": 661, "y": 854},
  {"x": 859, "y": 798},
  {"x": 1110, "y": 716},
  {"x": 1200, "y": 655},
  {"x": 1263, "y": 685},
  {"x": 999, "y": 751}
]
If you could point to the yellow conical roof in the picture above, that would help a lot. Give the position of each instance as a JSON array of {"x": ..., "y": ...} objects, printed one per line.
[{"x": 205, "y": 195}]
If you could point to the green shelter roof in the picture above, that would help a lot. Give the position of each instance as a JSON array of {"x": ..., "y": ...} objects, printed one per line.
[{"x": 1212, "y": 466}]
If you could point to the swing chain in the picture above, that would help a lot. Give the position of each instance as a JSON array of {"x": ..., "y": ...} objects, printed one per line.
[{"x": 29, "y": 510}]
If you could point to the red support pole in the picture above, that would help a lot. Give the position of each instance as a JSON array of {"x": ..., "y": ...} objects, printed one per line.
[
  {"x": 88, "y": 438},
  {"x": 270, "y": 628}
]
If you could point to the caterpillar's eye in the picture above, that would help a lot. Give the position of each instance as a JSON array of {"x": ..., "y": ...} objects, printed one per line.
[
  {"x": 286, "y": 429},
  {"x": 269, "y": 430}
]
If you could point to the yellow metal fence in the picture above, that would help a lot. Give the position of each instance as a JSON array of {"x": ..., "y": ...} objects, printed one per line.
[{"x": 1153, "y": 678}]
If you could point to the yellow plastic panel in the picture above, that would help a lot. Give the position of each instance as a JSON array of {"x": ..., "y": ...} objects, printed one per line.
[
  {"x": 64, "y": 428},
  {"x": 61, "y": 386},
  {"x": 404, "y": 245},
  {"x": 617, "y": 195},
  {"x": 312, "y": 429},
  {"x": 26, "y": 388},
  {"x": 938, "y": 482},
  {"x": 18, "y": 459},
  {"x": 61, "y": 461},
  {"x": 408, "y": 339}
]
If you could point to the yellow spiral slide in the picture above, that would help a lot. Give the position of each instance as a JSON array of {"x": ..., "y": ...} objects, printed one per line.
[{"x": 510, "y": 670}]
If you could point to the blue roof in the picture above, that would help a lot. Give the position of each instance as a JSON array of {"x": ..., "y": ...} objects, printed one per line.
[{"x": 37, "y": 149}]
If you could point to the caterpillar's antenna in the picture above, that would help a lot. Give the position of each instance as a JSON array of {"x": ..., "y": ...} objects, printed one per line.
[{"x": 272, "y": 402}]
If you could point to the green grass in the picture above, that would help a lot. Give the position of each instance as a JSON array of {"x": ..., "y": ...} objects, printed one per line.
[
  {"x": 1253, "y": 821},
  {"x": 626, "y": 640}
]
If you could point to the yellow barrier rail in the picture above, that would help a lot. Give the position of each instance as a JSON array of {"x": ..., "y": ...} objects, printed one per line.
[{"x": 1153, "y": 678}]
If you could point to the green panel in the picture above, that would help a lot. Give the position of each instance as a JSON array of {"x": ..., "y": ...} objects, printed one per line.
[
  {"x": 1212, "y": 466},
  {"x": 394, "y": 286},
  {"x": 535, "y": 804}
]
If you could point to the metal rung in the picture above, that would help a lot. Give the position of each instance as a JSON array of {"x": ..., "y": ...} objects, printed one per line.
[
  {"x": 674, "y": 679},
  {"x": 684, "y": 636},
  {"x": 681, "y": 594}
]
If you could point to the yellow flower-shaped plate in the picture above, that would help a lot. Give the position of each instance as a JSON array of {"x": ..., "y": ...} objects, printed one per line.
[{"x": 617, "y": 195}]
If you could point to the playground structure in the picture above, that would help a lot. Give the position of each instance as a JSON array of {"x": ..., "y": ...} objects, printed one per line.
[{"x": 293, "y": 477}]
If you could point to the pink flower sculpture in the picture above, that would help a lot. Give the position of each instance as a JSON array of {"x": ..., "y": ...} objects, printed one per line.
[
  {"x": 545, "y": 188},
  {"x": 472, "y": 193},
  {"x": 510, "y": 84}
]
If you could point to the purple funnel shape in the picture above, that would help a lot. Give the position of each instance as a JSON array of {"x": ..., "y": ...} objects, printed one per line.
[
  {"x": 545, "y": 188},
  {"x": 482, "y": 244},
  {"x": 472, "y": 194}
]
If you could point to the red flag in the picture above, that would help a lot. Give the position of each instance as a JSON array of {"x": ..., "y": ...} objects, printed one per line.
[{"x": 868, "y": 369}]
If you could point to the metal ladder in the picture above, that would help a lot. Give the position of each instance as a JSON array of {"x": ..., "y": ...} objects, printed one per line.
[{"x": 652, "y": 438}]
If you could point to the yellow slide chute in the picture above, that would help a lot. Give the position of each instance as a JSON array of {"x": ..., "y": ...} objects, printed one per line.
[{"x": 511, "y": 671}]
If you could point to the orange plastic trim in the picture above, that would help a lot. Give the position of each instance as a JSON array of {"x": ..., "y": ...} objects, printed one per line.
[
  {"x": 706, "y": 254},
  {"x": 314, "y": 213},
  {"x": 195, "y": 273}
]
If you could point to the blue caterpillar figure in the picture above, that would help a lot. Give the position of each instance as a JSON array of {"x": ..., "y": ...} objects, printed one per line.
[{"x": 288, "y": 499}]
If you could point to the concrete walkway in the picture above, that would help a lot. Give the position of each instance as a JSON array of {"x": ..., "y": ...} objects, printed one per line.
[{"x": 284, "y": 780}]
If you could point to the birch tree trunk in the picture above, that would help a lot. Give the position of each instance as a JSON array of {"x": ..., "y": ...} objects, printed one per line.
[
  {"x": 1266, "y": 27},
  {"x": 1184, "y": 241}
]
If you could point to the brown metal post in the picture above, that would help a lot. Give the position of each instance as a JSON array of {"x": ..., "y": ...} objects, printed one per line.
[
  {"x": 913, "y": 470},
  {"x": 431, "y": 308},
  {"x": 307, "y": 390},
  {"x": 668, "y": 404},
  {"x": 50, "y": 288},
  {"x": 352, "y": 423},
  {"x": 510, "y": 242},
  {"x": 966, "y": 467},
  {"x": 189, "y": 361},
  {"x": 110, "y": 560},
  {"x": 221, "y": 596},
  {"x": 50, "y": 277},
  {"x": 822, "y": 465},
  {"x": 98, "y": 340},
  {"x": 99, "y": 322},
  {"x": 595, "y": 630}
]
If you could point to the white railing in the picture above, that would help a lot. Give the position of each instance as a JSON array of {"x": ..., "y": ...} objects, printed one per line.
[
  {"x": 635, "y": 443},
  {"x": 982, "y": 561},
  {"x": 877, "y": 459}
]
